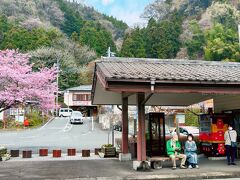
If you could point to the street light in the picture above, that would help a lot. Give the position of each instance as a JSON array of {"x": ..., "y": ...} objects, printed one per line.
[{"x": 56, "y": 103}]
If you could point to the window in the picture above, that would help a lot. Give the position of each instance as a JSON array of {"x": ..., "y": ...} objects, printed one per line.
[
  {"x": 89, "y": 97},
  {"x": 74, "y": 97},
  {"x": 81, "y": 97}
]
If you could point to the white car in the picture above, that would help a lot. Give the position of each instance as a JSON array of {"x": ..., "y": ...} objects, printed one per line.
[
  {"x": 65, "y": 112},
  {"x": 76, "y": 117},
  {"x": 185, "y": 130}
]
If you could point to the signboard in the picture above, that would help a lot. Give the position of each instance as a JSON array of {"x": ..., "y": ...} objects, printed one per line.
[
  {"x": 19, "y": 119},
  {"x": 16, "y": 111}
]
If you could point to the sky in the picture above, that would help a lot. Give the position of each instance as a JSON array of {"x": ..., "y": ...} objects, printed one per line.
[{"x": 127, "y": 10}]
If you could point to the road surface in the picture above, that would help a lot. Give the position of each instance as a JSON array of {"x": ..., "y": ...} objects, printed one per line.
[{"x": 58, "y": 133}]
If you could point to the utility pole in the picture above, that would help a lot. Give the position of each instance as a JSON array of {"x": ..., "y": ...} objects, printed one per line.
[
  {"x": 109, "y": 53},
  {"x": 57, "y": 86}
]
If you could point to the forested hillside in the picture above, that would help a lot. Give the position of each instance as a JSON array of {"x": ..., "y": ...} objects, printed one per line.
[
  {"x": 188, "y": 29},
  {"x": 74, "y": 34},
  {"x": 52, "y": 30}
]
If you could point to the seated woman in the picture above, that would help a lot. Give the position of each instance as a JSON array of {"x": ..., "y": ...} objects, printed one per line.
[{"x": 190, "y": 152}]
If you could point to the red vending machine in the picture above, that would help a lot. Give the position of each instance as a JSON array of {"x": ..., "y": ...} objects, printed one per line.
[{"x": 211, "y": 137}]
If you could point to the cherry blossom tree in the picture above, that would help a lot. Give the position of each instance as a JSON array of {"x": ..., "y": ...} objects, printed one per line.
[{"x": 19, "y": 83}]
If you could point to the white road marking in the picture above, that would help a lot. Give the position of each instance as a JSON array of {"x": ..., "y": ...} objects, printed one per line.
[
  {"x": 86, "y": 133},
  {"x": 67, "y": 127},
  {"x": 46, "y": 123},
  {"x": 28, "y": 137}
]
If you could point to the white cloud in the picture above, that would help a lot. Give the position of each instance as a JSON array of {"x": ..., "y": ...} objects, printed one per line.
[
  {"x": 131, "y": 15},
  {"x": 107, "y": 2},
  {"x": 130, "y": 12}
]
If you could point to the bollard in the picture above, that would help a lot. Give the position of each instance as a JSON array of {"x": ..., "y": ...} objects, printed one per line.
[
  {"x": 27, "y": 154},
  {"x": 71, "y": 152},
  {"x": 43, "y": 152},
  {"x": 57, "y": 153},
  {"x": 14, "y": 153},
  {"x": 97, "y": 150},
  {"x": 85, "y": 153}
]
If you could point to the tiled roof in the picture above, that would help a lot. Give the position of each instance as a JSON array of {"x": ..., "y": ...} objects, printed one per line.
[
  {"x": 169, "y": 70},
  {"x": 80, "y": 88}
]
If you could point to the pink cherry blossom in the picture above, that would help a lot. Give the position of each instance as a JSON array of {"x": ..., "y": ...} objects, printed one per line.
[{"x": 19, "y": 83}]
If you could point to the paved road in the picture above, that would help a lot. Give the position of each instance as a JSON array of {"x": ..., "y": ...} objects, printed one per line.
[
  {"x": 111, "y": 169},
  {"x": 58, "y": 133}
]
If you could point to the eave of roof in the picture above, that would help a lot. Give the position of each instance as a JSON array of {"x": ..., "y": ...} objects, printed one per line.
[
  {"x": 80, "y": 88},
  {"x": 168, "y": 71}
]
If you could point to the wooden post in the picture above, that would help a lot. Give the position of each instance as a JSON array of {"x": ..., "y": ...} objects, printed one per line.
[
  {"x": 124, "y": 124},
  {"x": 141, "y": 139}
]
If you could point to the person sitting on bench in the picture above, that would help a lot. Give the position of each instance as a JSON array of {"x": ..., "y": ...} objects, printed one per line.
[
  {"x": 173, "y": 151},
  {"x": 190, "y": 151}
]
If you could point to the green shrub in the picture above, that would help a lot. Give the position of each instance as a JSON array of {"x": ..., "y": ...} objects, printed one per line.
[
  {"x": 107, "y": 145},
  {"x": 191, "y": 118},
  {"x": 35, "y": 119}
]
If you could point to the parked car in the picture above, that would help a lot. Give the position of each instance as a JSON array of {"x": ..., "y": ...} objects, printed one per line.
[
  {"x": 65, "y": 112},
  {"x": 189, "y": 130},
  {"x": 76, "y": 117},
  {"x": 185, "y": 130},
  {"x": 118, "y": 126}
]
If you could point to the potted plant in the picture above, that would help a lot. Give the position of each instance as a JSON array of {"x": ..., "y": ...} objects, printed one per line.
[{"x": 107, "y": 150}]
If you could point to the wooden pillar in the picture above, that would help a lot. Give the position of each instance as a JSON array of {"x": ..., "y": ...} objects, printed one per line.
[
  {"x": 124, "y": 124},
  {"x": 141, "y": 139}
]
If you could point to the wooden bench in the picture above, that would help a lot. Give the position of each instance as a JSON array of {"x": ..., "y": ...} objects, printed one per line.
[{"x": 157, "y": 161}]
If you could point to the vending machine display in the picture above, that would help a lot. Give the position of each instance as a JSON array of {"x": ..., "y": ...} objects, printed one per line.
[{"x": 212, "y": 129}]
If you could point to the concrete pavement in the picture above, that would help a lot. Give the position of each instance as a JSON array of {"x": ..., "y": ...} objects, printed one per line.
[
  {"x": 58, "y": 133},
  {"x": 111, "y": 169}
]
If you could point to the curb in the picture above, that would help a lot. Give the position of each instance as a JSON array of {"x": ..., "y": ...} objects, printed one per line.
[{"x": 210, "y": 175}]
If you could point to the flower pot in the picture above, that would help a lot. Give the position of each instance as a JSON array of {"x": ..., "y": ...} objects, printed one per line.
[{"x": 109, "y": 151}]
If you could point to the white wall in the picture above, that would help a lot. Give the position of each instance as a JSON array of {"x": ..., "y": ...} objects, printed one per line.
[
  {"x": 181, "y": 118},
  {"x": 68, "y": 99},
  {"x": 226, "y": 102}
]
